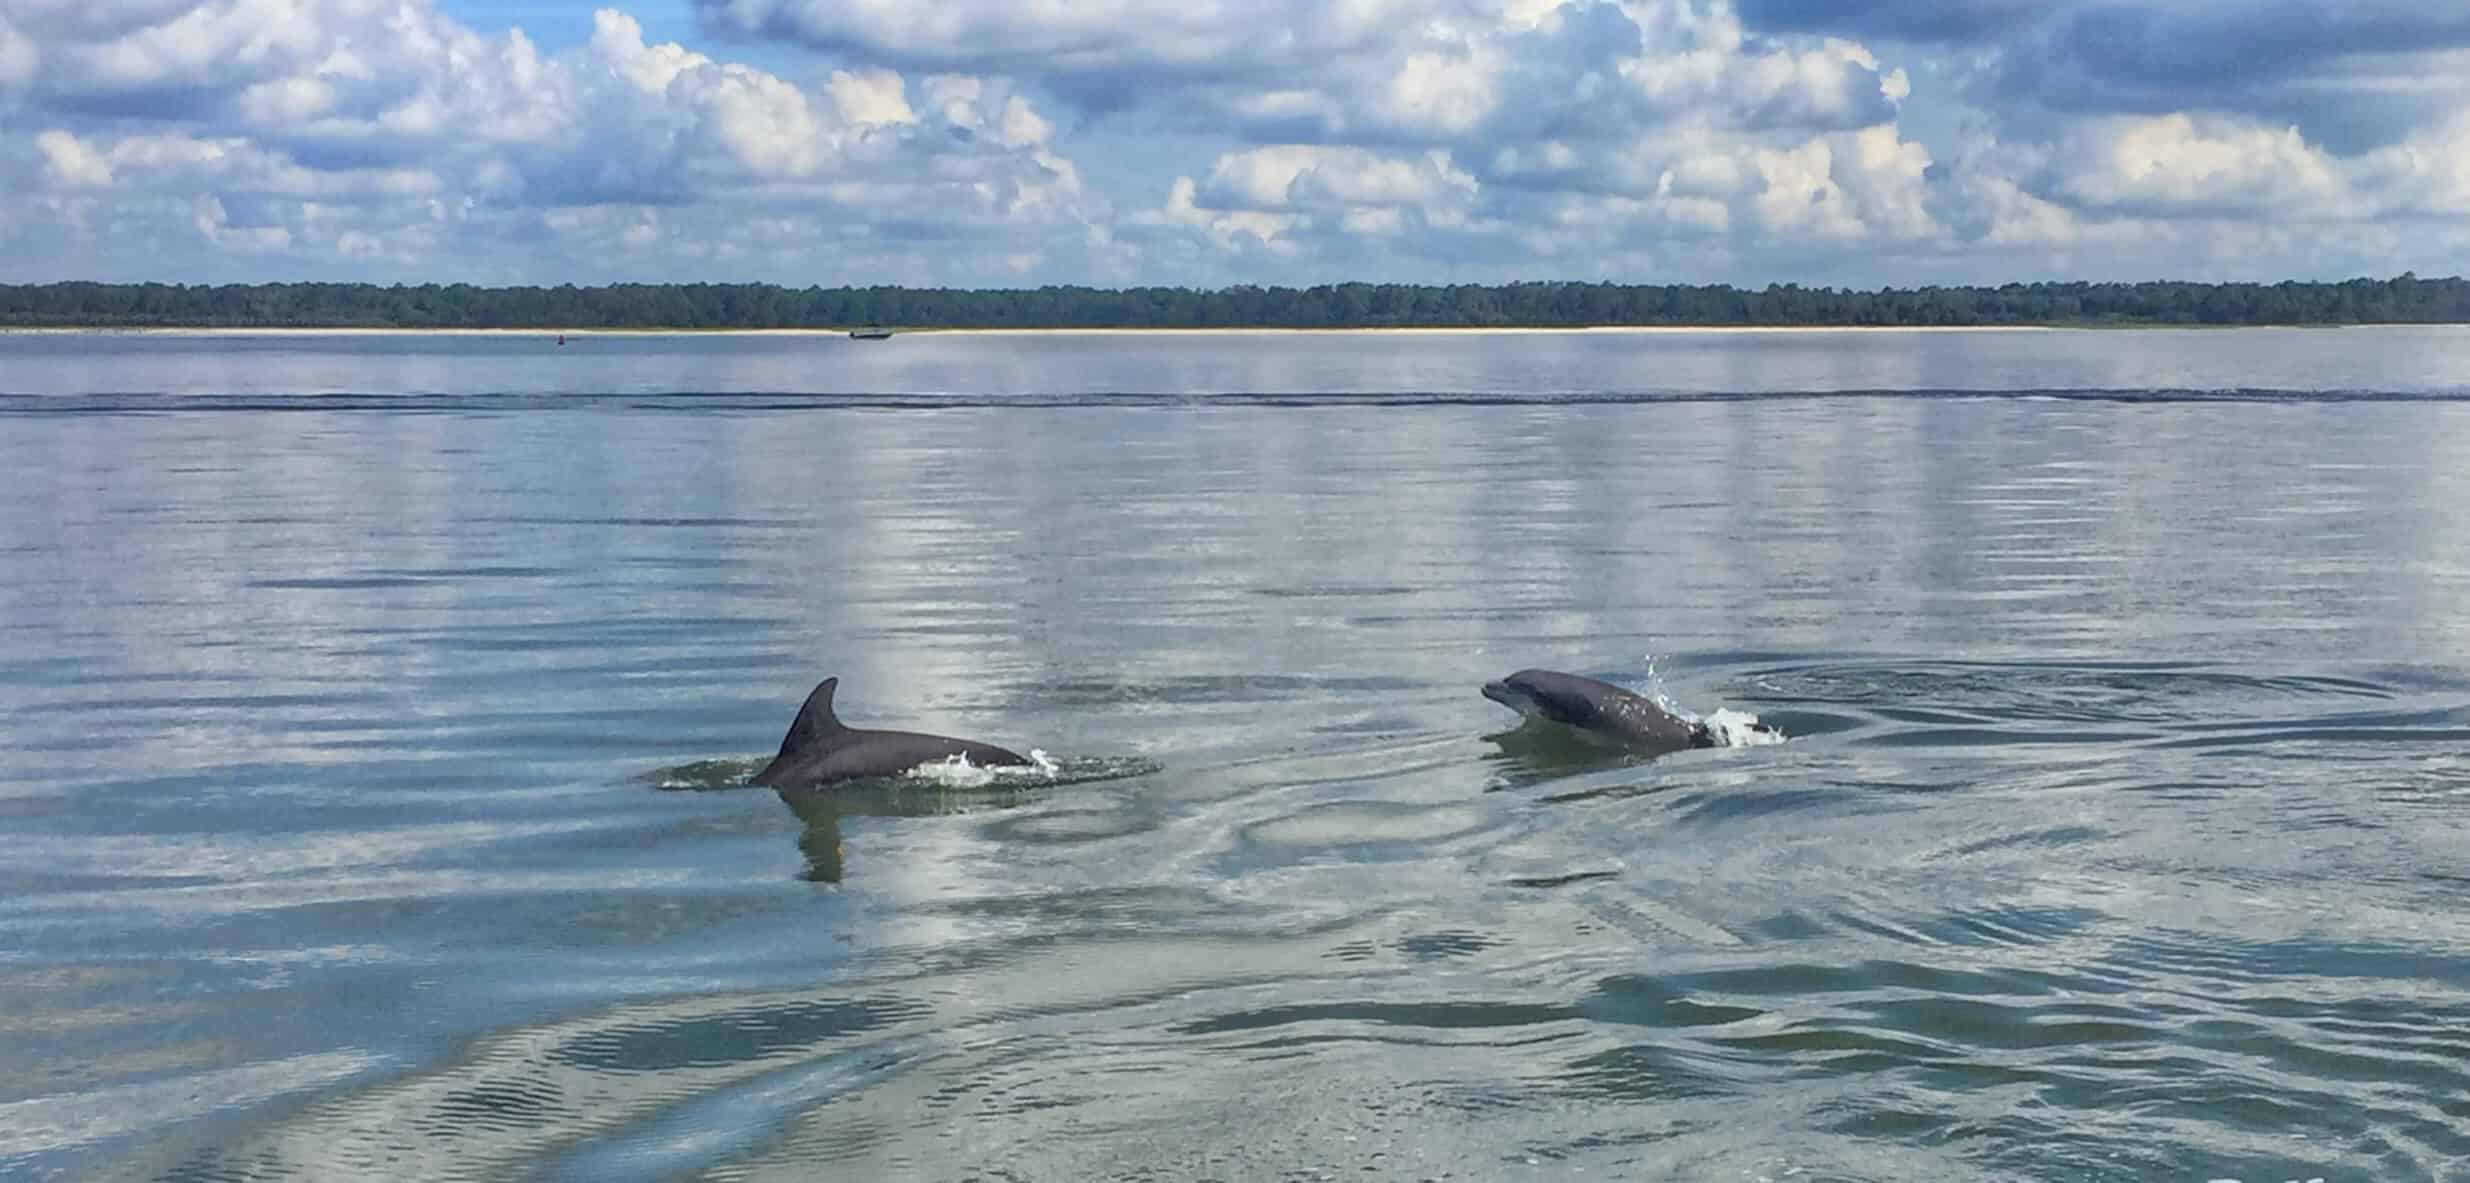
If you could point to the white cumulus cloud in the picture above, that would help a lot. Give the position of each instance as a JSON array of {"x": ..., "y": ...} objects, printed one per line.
[
  {"x": 71, "y": 162},
  {"x": 18, "y": 57},
  {"x": 983, "y": 141},
  {"x": 1313, "y": 176},
  {"x": 338, "y": 132},
  {"x": 2172, "y": 160}
]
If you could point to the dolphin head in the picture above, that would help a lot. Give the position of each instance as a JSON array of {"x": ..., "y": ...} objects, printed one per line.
[
  {"x": 1516, "y": 698},
  {"x": 1542, "y": 694}
]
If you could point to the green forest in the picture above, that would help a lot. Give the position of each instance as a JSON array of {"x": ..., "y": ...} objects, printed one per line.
[{"x": 2403, "y": 299}]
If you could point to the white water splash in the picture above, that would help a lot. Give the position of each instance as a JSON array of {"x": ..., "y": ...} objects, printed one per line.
[
  {"x": 1740, "y": 729},
  {"x": 1730, "y": 728},
  {"x": 1654, "y": 688},
  {"x": 956, "y": 772}
]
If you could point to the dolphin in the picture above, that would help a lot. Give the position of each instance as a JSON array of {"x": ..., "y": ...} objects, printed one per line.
[
  {"x": 820, "y": 751},
  {"x": 1599, "y": 712}
]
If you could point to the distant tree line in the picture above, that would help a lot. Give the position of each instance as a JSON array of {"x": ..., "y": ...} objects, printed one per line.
[{"x": 2403, "y": 299}]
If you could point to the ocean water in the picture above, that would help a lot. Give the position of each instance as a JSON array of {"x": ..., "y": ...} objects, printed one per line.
[{"x": 376, "y": 711}]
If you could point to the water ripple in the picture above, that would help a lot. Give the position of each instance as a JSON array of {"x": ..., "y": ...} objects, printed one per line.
[{"x": 2115, "y": 834}]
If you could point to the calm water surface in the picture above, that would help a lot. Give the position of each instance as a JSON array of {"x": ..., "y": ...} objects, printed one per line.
[{"x": 370, "y": 802}]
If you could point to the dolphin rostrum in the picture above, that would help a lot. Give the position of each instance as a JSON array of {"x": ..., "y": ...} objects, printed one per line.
[
  {"x": 820, "y": 751},
  {"x": 1599, "y": 711}
]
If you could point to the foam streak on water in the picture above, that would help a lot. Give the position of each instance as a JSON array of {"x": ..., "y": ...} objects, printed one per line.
[{"x": 375, "y": 800}]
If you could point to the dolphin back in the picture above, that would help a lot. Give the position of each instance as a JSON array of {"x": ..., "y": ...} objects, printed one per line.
[
  {"x": 891, "y": 753},
  {"x": 820, "y": 750}
]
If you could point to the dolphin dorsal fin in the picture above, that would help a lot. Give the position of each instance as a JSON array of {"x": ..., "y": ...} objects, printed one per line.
[{"x": 815, "y": 723}]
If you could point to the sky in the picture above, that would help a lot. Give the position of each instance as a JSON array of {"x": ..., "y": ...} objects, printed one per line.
[{"x": 1000, "y": 143}]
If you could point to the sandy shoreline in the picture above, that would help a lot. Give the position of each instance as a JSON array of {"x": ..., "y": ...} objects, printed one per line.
[{"x": 1141, "y": 332}]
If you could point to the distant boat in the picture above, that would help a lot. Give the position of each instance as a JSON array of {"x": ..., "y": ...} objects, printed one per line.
[{"x": 870, "y": 333}]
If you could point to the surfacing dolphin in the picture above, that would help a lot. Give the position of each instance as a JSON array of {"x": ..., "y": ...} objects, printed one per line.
[
  {"x": 820, "y": 751},
  {"x": 1599, "y": 712}
]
